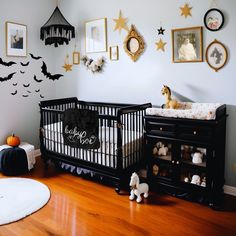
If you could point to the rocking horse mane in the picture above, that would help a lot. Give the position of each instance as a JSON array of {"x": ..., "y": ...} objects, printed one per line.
[{"x": 168, "y": 89}]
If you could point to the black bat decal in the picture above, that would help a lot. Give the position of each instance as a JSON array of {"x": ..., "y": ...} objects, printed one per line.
[
  {"x": 26, "y": 85},
  {"x": 48, "y": 74},
  {"x": 25, "y": 96},
  {"x": 37, "y": 80},
  {"x": 24, "y": 64},
  {"x": 28, "y": 91},
  {"x": 41, "y": 96},
  {"x": 34, "y": 57},
  {"x": 14, "y": 84},
  {"x": 22, "y": 72},
  {"x": 14, "y": 93},
  {"x": 2, "y": 79},
  {"x": 37, "y": 90},
  {"x": 10, "y": 63}
]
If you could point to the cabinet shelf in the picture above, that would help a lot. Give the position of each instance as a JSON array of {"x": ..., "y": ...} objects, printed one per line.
[
  {"x": 165, "y": 158},
  {"x": 190, "y": 163}
]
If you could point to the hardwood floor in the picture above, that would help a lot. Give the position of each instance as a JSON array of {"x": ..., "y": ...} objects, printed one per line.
[{"x": 83, "y": 207}]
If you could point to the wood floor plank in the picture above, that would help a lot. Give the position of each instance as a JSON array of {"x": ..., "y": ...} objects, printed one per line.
[{"x": 82, "y": 207}]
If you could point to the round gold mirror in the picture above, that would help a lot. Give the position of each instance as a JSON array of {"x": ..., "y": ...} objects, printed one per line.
[{"x": 133, "y": 45}]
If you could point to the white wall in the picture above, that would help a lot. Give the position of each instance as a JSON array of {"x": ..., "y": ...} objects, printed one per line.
[
  {"x": 18, "y": 114},
  {"x": 129, "y": 82}
]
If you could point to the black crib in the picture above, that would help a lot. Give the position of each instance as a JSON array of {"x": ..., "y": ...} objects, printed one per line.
[{"x": 120, "y": 133}]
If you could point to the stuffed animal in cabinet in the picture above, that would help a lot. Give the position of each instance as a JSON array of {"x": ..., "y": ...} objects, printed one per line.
[
  {"x": 196, "y": 180},
  {"x": 163, "y": 150}
]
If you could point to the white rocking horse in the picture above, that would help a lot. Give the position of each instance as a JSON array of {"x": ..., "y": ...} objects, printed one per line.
[{"x": 137, "y": 188}]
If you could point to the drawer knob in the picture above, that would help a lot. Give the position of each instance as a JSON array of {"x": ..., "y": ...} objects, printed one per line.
[
  {"x": 161, "y": 129},
  {"x": 177, "y": 162},
  {"x": 173, "y": 162},
  {"x": 194, "y": 132}
]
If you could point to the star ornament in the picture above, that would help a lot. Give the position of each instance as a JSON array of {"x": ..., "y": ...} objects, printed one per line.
[
  {"x": 186, "y": 10},
  {"x": 120, "y": 23},
  {"x": 67, "y": 67},
  {"x": 161, "y": 30},
  {"x": 161, "y": 45}
]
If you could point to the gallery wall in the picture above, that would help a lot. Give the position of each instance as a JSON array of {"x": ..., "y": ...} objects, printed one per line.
[
  {"x": 18, "y": 113},
  {"x": 138, "y": 82}
]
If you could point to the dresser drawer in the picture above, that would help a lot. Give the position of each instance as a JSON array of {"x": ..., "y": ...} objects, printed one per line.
[
  {"x": 194, "y": 133},
  {"x": 163, "y": 129}
]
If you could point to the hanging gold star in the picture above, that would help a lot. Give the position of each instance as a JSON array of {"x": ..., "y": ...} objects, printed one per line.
[
  {"x": 161, "y": 45},
  {"x": 67, "y": 66},
  {"x": 186, "y": 10},
  {"x": 121, "y": 23}
]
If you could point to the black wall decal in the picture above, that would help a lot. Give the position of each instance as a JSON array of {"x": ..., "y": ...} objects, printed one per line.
[
  {"x": 26, "y": 85},
  {"x": 14, "y": 93},
  {"x": 48, "y": 74},
  {"x": 28, "y": 91},
  {"x": 14, "y": 84},
  {"x": 2, "y": 79},
  {"x": 10, "y": 63},
  {"x": 22, "y": 72},
  {"x": 37, "y": 90},
  {"x": 37, "y": 80},
  {"x": 25, "y": 96},
  {"x": 34, "y": 57},
  {"x": 41, "y": 96},
  {"x": 24, "y": 64}
]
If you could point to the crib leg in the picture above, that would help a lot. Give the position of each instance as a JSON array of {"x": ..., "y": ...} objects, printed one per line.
[
  {"x": 45, "y": 161},
  {"x": 117, "y": 188}
]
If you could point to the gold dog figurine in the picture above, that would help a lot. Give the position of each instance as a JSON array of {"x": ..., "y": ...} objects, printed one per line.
[{"x": 170, "y": 103}]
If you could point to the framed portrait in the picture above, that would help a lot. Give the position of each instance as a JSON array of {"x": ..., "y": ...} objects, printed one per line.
[
  {"x": 114, "y": 53},
  {"x": 187, "y": 45},
  {"x": 214, "y": 19},
  {"x": 96, "y": 35},
  {"x": 16, "y": 39},
  {"x": 216, "y": 55},
  {"x": 76, "y": 58}
]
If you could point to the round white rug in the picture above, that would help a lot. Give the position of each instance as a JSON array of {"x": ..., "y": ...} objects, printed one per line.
[{"x": 20, "y": 197}]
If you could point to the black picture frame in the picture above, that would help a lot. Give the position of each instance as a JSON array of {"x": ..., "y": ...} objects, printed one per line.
[{"x": 214, "y": 19}]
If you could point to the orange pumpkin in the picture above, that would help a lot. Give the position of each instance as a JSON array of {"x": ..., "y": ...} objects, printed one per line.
[{"x": 13, "y": 140}]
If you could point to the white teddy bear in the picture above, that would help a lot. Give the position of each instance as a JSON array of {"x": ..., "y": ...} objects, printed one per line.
[{"x": 163, "y": 150}]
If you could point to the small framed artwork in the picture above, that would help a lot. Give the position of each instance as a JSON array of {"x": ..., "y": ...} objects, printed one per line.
[
  {"x": 114, "y": 53},
  {"x": 214, "y": 19},
  {"x": 76, "y": 58},
  {"x": 16, "y": 39},
  {"x": 216, "y": 55},
  {"x": 96, "y": 36},
  {"x": 187, "y": 45}
]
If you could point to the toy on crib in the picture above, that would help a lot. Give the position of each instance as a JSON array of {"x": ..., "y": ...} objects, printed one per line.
[
  {"x": 196, "y": 180},
  {"x": 170, "y": 103},
  {"x": 163, "y": 150},
  {"x": 137, "y": 189}
]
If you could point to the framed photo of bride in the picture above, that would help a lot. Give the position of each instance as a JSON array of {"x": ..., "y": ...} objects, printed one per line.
[{"x": 187, "y": 45}]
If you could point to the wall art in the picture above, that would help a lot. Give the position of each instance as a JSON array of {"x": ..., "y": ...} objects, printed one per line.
[
  {"x": 216, "y": 55},
  {"x": 114, "y": 53},
  {"x": 48, "y": 74},
  {"x": 25, "y": 64},
  {"x": 186, "y": 10},
  {"x": 92, "y": 65},
  {"x": 35, "y": 57},
  {"x": 161, "y": 45},
  {"x": 16, "y": 39},
  {"x": 121, "y": 23},
  {"x": 187, "y": 44},
  {"x": 161, "y": 31},
  {"x": 67, "y": 66},
  {"x": 4, "y": 63},
  {"x": 96, "y": 35},
  {"x": 134, "y": 44},
  {"x": 76, "y": 58},
  {"x": 9, "y": 77},
  {"x": 214, "y": 19}
]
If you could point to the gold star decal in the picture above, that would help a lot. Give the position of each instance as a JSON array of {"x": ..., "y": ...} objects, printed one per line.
[
  {"x": 186, "y": 10},
  {"x": 121, "y": 23},
  {"x": 67, "y": 66},
  {"x": 161, "y": 45}
]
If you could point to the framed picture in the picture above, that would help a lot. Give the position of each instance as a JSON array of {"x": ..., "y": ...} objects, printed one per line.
[
  {"x": 114, "y": 53},
  {"x": 187, "y": 45},
  {"x": 76, "y": 58},
  {"x": 214, "y": 19},
  {"x": 216, "y": 55},
  {"x": 16, "y": 39},
  {"x": 96, "y": 35}
]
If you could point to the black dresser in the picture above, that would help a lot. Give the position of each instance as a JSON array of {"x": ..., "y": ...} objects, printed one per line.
[{"x": 186, "y": 156}]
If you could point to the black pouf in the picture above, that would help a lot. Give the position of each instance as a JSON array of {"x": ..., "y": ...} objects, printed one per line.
[{"x": 13, "y": 161}]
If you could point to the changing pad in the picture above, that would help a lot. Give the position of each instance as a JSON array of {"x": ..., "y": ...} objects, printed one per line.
[{"x": 200, "y": 111}]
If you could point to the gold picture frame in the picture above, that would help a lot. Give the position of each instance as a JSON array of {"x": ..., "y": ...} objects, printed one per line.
[
  {"x": 216, "y": 55},
  {"x": 76, "y": 58},
  {"x": 96, "y": 35},
  {"x": 134, "y": 44},
  {"x": 187, "y": 45},
  {"x": 114, "y": 53},
  {"x": 16, "y": 39}
]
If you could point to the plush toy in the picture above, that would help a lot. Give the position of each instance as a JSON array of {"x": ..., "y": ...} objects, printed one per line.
[
  {"x": 186, "y": 179},
  {"x": 155, "y": 169},
  {"x": 156, "y": 148},
  {"x": 137, "y": 189},
  {"x": 203, "y": 183},
  {"x": 197, "y": 157},
  {"x": 163, "y": 150},
  {"x": 196, "y": 180},
  {"x": 186, "y": 153},
  {"x": 170, "y": 103}
]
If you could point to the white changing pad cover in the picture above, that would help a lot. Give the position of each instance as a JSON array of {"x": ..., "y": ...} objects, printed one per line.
[{"x": 200, "y": 111}]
